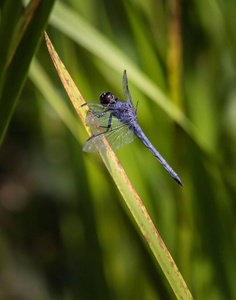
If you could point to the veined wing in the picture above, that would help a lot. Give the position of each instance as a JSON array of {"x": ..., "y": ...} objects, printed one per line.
[
  {"x": 95, "y": 110},
  {"x": 117, "y": 137},
  {"x": 126, "y": 89}
]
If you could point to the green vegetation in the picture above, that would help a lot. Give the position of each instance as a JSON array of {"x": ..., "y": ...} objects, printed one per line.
[{"x": 66, "y": 232}]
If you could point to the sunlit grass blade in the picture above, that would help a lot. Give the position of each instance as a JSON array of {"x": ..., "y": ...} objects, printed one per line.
[{"x": 126, "y": 189}]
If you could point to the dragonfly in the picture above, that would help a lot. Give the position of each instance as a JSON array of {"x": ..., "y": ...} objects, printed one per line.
[{"x": 117, "y": 121}]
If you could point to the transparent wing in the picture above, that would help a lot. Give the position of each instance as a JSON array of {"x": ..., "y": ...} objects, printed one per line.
[
  {"x": 96, "y": 108},
  {"x": 117, "y": 137},
  {"x": 93, "y": 118},
  {"x": 126, "y": 89}
]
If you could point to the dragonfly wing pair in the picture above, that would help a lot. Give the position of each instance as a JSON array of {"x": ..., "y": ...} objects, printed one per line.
[{"x": 118, "y": 135}]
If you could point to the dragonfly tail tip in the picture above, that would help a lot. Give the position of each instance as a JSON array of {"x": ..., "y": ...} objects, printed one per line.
[{"x": 179, "y": 181}]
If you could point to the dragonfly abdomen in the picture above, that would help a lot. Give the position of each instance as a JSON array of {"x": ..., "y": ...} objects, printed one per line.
[{"x": 139, "y": 133}]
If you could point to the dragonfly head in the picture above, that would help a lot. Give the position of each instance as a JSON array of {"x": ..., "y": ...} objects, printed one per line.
[{"x": 107, "y": 98}]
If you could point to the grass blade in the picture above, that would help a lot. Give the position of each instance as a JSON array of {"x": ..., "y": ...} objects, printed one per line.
[
  {"x": 23, "y": 49},
  {"x": 126, "y": 189}
]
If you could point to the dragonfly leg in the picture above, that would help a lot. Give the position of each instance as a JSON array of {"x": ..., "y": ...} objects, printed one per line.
[
  {"x": 98, "y": 115},
  {"x": 107, "y": 128}
]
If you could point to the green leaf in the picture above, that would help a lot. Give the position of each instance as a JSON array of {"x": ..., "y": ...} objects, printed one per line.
[{"x": 29, "y": 34}]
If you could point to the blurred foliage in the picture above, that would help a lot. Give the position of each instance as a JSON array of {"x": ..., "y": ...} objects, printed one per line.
[{"x": 65, "y": 232}]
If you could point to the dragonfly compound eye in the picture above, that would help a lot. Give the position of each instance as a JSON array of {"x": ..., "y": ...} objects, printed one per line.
[{"x": 106, "y": 98}]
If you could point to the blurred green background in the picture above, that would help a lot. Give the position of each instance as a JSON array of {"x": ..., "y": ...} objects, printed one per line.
[{"x": 65, "y": 231}]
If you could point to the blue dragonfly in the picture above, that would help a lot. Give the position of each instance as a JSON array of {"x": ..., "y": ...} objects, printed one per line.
[{"x": 118, "y": 124}]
